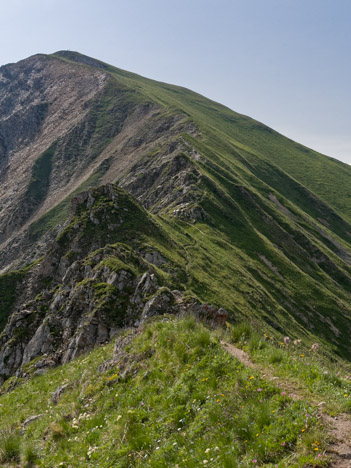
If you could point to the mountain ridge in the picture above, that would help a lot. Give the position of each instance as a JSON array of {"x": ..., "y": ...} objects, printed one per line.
[
  {"x": 145, "y": 230},
  {"x": 254, "y": 235}
]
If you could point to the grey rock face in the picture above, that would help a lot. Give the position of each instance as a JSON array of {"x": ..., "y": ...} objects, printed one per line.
[
  {"x": 158, "y": 305},
  {"x": 72, "y": 319},
  {"x": 74, "y": 315},
  {"x": 41, "y": 100},
  {"x": 169, "y": 181},
  {"x": 40, "y": 344},
  {"x": 192, "y": 213},
  {"x": 155, "y": 258},
  {"x": 73, "y": 322}
]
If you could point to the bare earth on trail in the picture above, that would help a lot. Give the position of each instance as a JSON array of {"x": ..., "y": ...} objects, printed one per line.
[
  {"x": 238, "y": 353},
  {"x": 338, "y": 427}
]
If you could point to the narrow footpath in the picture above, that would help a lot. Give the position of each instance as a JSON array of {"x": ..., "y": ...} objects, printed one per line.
[{"x": 338, "y": 427}]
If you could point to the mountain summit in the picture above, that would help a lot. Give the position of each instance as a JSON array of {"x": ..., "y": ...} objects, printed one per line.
[{"x": 200, "y": 199}]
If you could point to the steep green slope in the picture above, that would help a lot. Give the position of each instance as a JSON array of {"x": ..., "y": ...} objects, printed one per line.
[
  {"x": 277, "y": 208},
  {"x": 109, "y": 260},
  {"x": 325, "y": 176},
  {"x": 240, "y": 136}
]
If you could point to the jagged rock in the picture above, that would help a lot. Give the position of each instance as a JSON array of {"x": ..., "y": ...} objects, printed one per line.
[
  {"x": 207, "y": 312},
  {"x": 158, "y": 305},
  {"x": 92, "y": 295},
  {"x": 78, "y": 200},
  {"x": 186, "y": 211},
  {"x": 68, "y": 122},
  {"x": 56, "y": 302},
  {"x": 46, "y": 362},
  {"x": 155, "y": 258},
  {"x": 71, "y": 272},
  {"x": 168, "y": 180},
  {"x": 63, "y": 265},
  {"x": 40, "y": 344},
  {"x": 173, "y": 302},
  {"x": 10, "y": 360},
  {"x": 147, "y": 285}
]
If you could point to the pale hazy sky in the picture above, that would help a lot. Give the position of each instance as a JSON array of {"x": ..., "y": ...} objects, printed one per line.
[{"x": 283, "y": 62}]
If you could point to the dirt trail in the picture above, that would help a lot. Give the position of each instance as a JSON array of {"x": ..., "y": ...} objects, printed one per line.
[
  {"x": 239, "y": 354},
  {"x": 293, "y": 389},
  {"x": 339, "y": 427}
]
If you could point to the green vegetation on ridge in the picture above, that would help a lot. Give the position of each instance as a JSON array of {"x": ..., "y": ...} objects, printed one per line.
[
  {"x": 171, "y": 396},
  {"x": 326, "y": 177}
]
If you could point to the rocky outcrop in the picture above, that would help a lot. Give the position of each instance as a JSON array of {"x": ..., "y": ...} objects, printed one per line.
[
  {"x": 159, "y": 304},
  {"x": 76, "y": 317},
  {"x": 88, "y": 309},
  {"x": 92, "y": 299},
  {"x": 168, "y": 181},
  {"x": 90, "y": 284},
  {"x": 209, "y": 212}
]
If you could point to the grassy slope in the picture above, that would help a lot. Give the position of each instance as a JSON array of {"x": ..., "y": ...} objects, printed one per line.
[
  {"x": 177, "y": 397},
  {"x": 173, "y": 396},
  {"x": 221, "y": 273},
  {"x": 325, "y": 176}
]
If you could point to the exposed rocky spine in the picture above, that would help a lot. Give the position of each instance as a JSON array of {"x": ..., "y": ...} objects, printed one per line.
[{"x": 91, "y": 284}]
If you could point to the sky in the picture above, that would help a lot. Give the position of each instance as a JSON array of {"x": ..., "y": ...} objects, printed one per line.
[{"x": 285, "y": 63}]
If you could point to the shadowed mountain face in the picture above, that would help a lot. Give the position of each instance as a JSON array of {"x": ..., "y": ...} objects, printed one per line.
[
  {"x": 232, "y": 212},
  {"x": 63, "y": 127},
  {"x": 41, "y": 101}
]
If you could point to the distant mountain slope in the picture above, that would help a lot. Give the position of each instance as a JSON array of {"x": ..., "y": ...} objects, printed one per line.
[
  {"x": 327, "y": 177},
  {"x": 243, "y": 217}
]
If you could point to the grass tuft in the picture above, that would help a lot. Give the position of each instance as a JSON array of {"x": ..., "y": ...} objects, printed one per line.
[{"x": 10, "y": 445}]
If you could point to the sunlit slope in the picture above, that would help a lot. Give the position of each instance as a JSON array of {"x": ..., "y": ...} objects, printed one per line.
[{"x": 249, "y": 141}]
